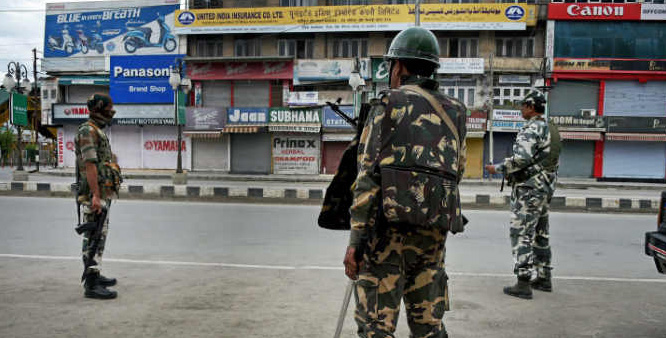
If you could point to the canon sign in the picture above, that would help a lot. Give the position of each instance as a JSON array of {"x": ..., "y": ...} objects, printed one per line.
[{"x": 576, "y": 10}]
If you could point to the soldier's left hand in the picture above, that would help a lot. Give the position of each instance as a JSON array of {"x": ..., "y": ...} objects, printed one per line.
[{"x": 491, "y": 169}]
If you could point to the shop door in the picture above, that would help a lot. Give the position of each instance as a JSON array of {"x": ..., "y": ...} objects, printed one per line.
[
  {"x": 210, "y": 154},
  {"x": 251, "y": 153},
  {"x": 474, "y": 164},
  {"x": 625, "y": 159},
  {"x": 332, "y": 154}
]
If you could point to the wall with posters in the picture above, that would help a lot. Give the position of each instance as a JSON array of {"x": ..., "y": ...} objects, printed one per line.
[{"x": 295, "y": 154}]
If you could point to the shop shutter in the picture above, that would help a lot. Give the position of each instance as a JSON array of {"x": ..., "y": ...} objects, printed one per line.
[
  {"x": 251, "y": 153},
  {"x": 627, "y": 159},
  {"x": 126, "y": 144},
  {"x": 576, "y": 159},
  {"x": 632, "y": 98},
  {"x": 569, "y": 97},
  {"x": 216, "y": 94},
  {"x": 251, "y": 94},
  {"x": 210, "y": 154}
]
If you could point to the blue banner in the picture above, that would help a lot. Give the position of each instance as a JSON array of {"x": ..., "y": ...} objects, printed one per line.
[
  {"x": 333, "y": 120},
  {"x": 141, "y": 79},
  {"x": 247, "y": 116},
  {"x": 110, "y": 31}
]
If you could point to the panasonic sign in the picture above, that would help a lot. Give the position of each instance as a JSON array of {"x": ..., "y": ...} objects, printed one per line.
[
  {"x": 576, "y": 10},
  {"x": 119, "y": 71},
  {"x": 141, "y": 79}
]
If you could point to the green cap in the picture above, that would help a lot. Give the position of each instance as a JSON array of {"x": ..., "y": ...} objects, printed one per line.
[{"x": 414, "y": 43}]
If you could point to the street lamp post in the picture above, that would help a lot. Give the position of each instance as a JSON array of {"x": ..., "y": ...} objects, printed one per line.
[
  {"x": 178, "y": 82},
  {"x": 17, "y": 79},
  {"x": 356, "y": 81}
]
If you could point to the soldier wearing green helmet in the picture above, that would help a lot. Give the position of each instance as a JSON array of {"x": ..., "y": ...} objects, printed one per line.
[{"x": 406, "y": 200}]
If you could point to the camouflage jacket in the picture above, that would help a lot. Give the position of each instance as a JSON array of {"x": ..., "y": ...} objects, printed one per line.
[
  {"x": 531, "y": 147},
  {"x": 414, "y": 141},
  {"x": 92, "y": 145}
]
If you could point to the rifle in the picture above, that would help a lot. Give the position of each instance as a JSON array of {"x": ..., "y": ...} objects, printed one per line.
[
  {"x": 94, "y": 230},
  {"x": 336, "y": 108}
]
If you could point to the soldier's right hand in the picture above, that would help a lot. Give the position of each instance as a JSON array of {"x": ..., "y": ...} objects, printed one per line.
[{"x": 96, "y": 205}]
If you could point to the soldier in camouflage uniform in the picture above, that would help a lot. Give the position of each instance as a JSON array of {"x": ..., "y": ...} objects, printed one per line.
[
  {"x": 406, "y": 200},
  {"x": 98, "y": 182},
  {"x": 532, "y": 172}
]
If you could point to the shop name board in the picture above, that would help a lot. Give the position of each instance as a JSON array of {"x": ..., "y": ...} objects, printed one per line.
[
  {"x": 140, "y": 114},
  {"x": 507, "y": 115},
  {"x": 204, "y": 118},
  {"x": 588, "y": 11},
  {"x": 146, "y": 122},
  {"x": 286, "y": 115},
  {"x": 636, "y": 124},
  {"x": 141, "y": 79},
  {"x": 291, "y": 143},
  {"x": 296, "y": 154},
  {"x": 460, "y": 66},
  {"x": 310, "y": 19},
  {"x": 608, "y": 65},
  {"x": 324, "y": 69},
  {"x": 512, "y": 126},
  {"x": 164, "y": 145},
  {"x": 333, "y": 120},
  {"x": 247, "y": 115},
  {"x": 580, "y": 122},
  {"x": 282, "y": 70},
  {"x": 653, "y": 11}
]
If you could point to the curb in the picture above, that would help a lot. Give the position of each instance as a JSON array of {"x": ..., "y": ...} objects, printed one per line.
[{"x": 315, "y": 196}]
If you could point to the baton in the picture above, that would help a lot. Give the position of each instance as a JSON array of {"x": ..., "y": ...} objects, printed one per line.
[{"x": 343, "y": 310}]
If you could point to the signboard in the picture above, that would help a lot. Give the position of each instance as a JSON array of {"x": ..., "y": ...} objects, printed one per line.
[
  {"x": 594, "y": 11},
  {"x": 380, "y": 70},
  {"x": 93, "y": 29},
  {"x": 310, "y": 19},
  {"x": 506, "y": 79},
  {"x": 573, "y": 122},
  {"x": 303, "y": 98},
  {"x": 476, "y": 121},
  {"x": 333, "y": 120},
  {"x": 608, "y": 65},
  {"x": 295, "y": 115},
  {"x": 126, "y": 114},
  {"x": 282, "y": 70},
  {"x": 19, "y": 109},
  {"x": 653, "y": 12},
  {"x": 296, "y": 154},
  {"x": 460, "y": 66},
  {"x": 329, "y": 70},
  {"x": 247, "y": 116},
  {"x": 205, "y": 118},
  {"x": 636, "y": 124},
  {"x": 507, "y": 115},
  {"x": 141, "y": 79},
  {"x": 180, "y": 110},
  {"x": 510, "y": 126},
  {"x": 160, "y": 148}
]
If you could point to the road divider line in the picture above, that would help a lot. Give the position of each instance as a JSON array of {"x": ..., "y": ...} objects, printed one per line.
[{"x": 314, "y": 267}]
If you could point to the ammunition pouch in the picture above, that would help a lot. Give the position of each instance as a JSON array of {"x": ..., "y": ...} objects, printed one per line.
[
  {"x": 524, "y": 174},
  {"x": 110, "y": 178}
]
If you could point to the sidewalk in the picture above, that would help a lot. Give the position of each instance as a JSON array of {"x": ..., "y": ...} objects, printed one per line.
[{"x": 571, "y": 194}]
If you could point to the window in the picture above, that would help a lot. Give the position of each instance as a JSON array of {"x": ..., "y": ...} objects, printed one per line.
[
  {"x": 462, "y": 89},
  {"x": 348, "y": 2},
  {"x": 401, "y": 2},
  {"x": 443, "y": 47},
  {"x": 247, "y": 47},
  {"x": 348, "y": 48},
  {"x": 509, "y": 95},
  {"x": 514, "y": 47},
  {"x": 45, "y": 94},
  {"x": 208, "y": 47},
  {"x": 301, "y": 49},
  {"x": 207, "y": 4},
  {"x": 54, "y": 94},
  {"x": 297, "y": 3},
  {"x": 459, "y": 47}
]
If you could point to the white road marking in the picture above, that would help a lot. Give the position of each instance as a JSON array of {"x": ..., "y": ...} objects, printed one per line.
[{"x": 314, "y": 267}]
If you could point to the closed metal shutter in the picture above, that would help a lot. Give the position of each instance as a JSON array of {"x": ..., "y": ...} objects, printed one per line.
[
  {"x": 251, "y": 153},
  {"x": 210, "y": 154},
  {"x": 576, "y": 159},
  {"x": 251, "y": 94},
  {"x": 332, "y": 154},
  {"x": 625, "y": 159},
  {"x": 632, "y": 98},
  {"x": 126, "y": 144},
  {"x": 81, "y": 94},
  {"x": 502, "y": 148},
  {"x": 217, "y": 94},
  {"x": 569, "y": 97}
]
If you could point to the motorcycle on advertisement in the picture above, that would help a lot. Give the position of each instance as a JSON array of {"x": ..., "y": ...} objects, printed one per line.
[
  {"x": 139, "y": 37},
  {"x": 81, "y": 41},
  {"x": 96, "y": 42},
  {"x": 64, "y": 43}
]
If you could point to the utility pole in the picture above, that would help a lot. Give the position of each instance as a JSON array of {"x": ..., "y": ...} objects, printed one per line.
[
  {"x": 491, "y": 157},
  {"x": 417, "y": 13},
  {"x": 34, "y": 107}
]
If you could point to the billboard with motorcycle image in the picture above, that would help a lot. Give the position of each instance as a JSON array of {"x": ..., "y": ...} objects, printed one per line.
[{"x": 89, "y": 29}]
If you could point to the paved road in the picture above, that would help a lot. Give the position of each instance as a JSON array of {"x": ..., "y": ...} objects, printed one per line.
[{"x": 236, "y": 270}]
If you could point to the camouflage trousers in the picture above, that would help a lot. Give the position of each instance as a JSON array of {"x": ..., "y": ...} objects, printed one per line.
[
  {"x": 530, "y": 231},
  {"x": 87, "y": 250},
  {"x": 403, "y": 265}
]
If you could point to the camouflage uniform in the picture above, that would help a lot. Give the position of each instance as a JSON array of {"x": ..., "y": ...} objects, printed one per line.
[
  {"x": 414, "y": 159},
  {"x": 92, "y": 145},
  {"x": 532, "y": 189}
]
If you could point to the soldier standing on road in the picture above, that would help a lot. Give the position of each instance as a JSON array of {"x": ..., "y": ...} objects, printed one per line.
[
  {"x": 98, "y": 181},
  {"x": 532, "y": 173},
  {"x": 411, "y": 159}
]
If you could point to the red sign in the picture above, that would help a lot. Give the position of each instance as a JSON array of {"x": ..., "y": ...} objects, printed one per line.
[
  {"x": 597, "y": 11},
  {"x": 61, "y": 148},
  {"x": 164, "y": 145},
  {"x": 282, "y": 70}
]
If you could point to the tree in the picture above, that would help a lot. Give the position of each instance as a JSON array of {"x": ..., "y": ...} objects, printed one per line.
[{"x": 7, "y": 142}]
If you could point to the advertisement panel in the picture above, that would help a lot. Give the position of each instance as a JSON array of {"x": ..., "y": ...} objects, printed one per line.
[
  {"x": 84, "y": 29},
  {"x": 247, "y": 116},
  {"x": 126, "y": 114},
  {"x": 507, "y": 115},
  {"x": 303, "y": 98},
  {"x": 204, "y": 118},
  {"x": 329, "y": 70},
  {"x": 160, "y": 148},
  {"x": 309, "y": 19},
  {"x": 380, "y": 70},
  {"x": 296, "y": 154},
  {"x": 608, "y": 65},
  {"x": 281, "y": 70},
  {"x": 594, "y": 11},
  {"x": 570, "y": 122},
  {"x": 636, "y": 124},
  {"x": 653, "y": 12},
  {"x": 333, "y": 120},
  {"x": 19, "y": 109},
  {"x": 141, "y": 79},
  {"x": 476, "y": 121},
  {"x": 460, "y": 66}
]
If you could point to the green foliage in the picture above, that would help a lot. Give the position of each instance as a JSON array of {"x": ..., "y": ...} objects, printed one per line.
[
  {"x": 7, "y": 142},
  {"x": 32, "y": 151}
]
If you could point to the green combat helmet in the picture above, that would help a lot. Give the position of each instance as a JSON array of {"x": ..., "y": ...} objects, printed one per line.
[
  {"x": 414, "y": 43},
  {"x": 536, "y": 100}
]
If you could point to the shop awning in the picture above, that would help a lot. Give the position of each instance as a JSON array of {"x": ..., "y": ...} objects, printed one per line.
[
  {"x": 203, "y": 134},
  {"x": 636, "y": 137},
  {"x": 241, "y": 129},
  {"x": 580, "y": 135},
  {"x": 295, "y": 128}
]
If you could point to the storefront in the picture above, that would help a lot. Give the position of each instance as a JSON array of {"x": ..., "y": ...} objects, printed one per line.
[
  {"x": 476, "y": 130},
  {"x": 635, "y": 140},
  {"x": 249, "y": 140},
  {"x": 337, "y": 133},
  {"x": 210, "y": 147},
  {"x": 295, "y": 140}
]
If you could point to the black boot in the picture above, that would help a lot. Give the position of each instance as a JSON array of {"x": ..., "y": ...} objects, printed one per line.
[
  {"x": 95, "y": 290},
  {"x": 521, "y": 289},
  {"x": 104, "y": 281},
  {"x": 542, "y": 284}
]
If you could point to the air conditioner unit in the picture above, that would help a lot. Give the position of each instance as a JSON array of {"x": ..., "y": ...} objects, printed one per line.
[{"x": 587, "y": 113}]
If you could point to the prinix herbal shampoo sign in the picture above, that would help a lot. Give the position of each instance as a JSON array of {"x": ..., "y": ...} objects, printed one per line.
[{"x": 295, "y": 154}]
